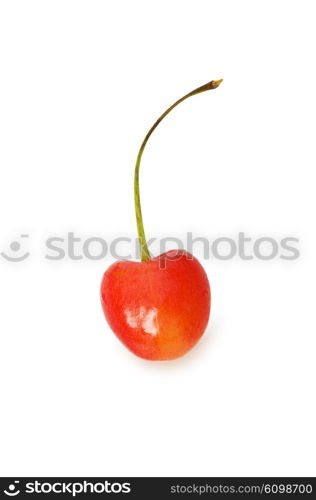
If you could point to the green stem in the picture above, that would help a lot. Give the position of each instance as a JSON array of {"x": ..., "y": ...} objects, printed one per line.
[{"x": 145, "y": 255}]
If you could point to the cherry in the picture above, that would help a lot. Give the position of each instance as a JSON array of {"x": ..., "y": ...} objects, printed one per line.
[{"x": 159, "y": 307}]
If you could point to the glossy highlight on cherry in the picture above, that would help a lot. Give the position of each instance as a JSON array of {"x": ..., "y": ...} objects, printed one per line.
[{"x": 159, "y": 307}]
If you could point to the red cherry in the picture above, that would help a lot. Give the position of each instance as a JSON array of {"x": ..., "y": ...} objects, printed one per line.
[{"x": 158, "y": 308}]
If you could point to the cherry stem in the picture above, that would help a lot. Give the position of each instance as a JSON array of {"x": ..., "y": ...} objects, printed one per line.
[{"x": 145, "y": 255}]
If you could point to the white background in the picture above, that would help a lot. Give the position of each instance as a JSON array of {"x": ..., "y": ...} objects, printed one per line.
[{"x": 81, "y": 82}]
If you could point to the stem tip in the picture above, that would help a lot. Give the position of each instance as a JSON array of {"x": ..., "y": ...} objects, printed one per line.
[{"x": 216, "y": 83}]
